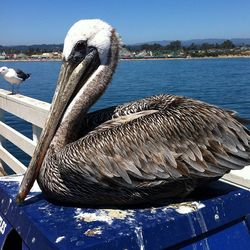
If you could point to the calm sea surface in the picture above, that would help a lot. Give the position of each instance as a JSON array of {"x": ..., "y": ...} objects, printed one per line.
[{"x": 223, "y": 82}]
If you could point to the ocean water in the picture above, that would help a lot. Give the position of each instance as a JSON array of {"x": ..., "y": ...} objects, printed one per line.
[{"x": 223, "y": 82}]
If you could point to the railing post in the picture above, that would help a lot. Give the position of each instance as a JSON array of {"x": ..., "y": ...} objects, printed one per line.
[
  {"x": 2, "y": 171},
  {"x": 36, "y": 132},
  {"x": 28, "y": 109}
]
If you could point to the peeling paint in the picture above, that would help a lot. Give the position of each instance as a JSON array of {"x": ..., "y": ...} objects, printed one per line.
[
  {"x": 103, "y": 215},
  {"x": 153, "y": 210},
  {"x": 94, "y": 231},
  {"x": 187, "y": 207}
]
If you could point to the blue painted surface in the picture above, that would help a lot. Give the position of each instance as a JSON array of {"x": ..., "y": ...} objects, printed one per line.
[
  {"x": 219, "y": 219},
  {"x": 232, "y": 237}
]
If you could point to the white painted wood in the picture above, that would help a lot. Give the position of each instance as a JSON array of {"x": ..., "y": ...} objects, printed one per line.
[
  {"x": 239, "y": 177},
  {"x": 29, "y": 109},
  {"x": 2, "y": 120},
  {"x": 1, "y": 141},
  {"x": 18, "y": 139},
  {"x": 11, "y": 161},
  {"x": 36, "y": 132}
]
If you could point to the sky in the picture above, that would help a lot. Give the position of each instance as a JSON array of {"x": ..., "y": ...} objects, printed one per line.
[{"x": 29, "y": 22}]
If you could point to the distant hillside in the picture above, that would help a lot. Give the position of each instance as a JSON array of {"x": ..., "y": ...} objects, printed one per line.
[
  {"x": 59, "y": 47},
  {"x": 45, "y": 47},
  {"x": 236, "y": 41}
]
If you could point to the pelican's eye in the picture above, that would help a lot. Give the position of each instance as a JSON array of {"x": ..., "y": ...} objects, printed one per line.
[
  {"x": 79, "y": 51},
  {"x": 81, "y": 47}
]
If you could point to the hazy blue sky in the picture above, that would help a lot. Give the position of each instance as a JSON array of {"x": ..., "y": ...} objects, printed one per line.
[{"x": 47, "y": 21}]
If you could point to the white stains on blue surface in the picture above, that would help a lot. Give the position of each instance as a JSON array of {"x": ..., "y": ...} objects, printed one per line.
[
  {"x": 103, "y": 215},
  {"x": 139, "y": 237},
  {"x": 59, "y": 239},
  {"x": 187, "y": 207},
  {"x": 203, "y": 227},
  {"x": 93, "y": 231},
  {"x": 216, "y": 217}
]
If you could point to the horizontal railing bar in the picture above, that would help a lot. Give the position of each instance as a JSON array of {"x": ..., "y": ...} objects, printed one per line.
[
  {"x": 239, "y": 177},
  {"x": 29, "y": 109},
  {"x": 11, "y": 161},
  {"x": 18, "y": 139}
]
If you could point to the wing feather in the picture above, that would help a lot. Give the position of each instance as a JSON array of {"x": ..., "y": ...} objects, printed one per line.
[{"x": 162, "y": 139}]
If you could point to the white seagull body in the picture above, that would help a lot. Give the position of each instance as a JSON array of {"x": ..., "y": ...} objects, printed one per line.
[{"x": 13, "y": 76}]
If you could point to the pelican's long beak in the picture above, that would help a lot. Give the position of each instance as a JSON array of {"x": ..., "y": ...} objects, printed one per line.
[{"x": 74, "y": 73}]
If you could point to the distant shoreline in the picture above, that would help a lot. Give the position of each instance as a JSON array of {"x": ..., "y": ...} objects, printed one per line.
[
  {"x": 31, "y": 60},
  {"x": 133, "y": 59},
  {"x": 184, "y": 58}
]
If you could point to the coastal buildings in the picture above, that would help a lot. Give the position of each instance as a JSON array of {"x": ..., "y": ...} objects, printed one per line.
[
  {"x": 138, "y": 52},
  {"x": 23, "y": 56}
]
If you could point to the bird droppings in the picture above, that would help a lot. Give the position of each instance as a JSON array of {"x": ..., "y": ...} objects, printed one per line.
[
  {"x": 187, "y": 207},
  {"x": 216, "y": 217},
  {"x": 103, "y": 215},
  {"x": 139, "y": 237},
  {"x": 153, "y": 210},
  {"x": 94, "y": 231},
  {"x": 59, "y": 239}
]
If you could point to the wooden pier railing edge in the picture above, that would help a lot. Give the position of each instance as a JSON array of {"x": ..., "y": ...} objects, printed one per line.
[{"x": 28, "y": 109}]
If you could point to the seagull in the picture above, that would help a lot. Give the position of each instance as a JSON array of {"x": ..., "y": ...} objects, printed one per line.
[{"x": 13, "y": 76}]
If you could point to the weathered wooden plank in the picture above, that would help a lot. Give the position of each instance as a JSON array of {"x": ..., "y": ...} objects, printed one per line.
[
  {"x": 11, "y": 161},
  {"x": 36, "y": 132},
  {"x": 18, "y": 139},
  {"x": 239, "y": 177},
  {"x": 29, "y": 109}
]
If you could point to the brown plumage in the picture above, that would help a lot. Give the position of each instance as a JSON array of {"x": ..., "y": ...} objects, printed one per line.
[{"x": 156, "y": 148}]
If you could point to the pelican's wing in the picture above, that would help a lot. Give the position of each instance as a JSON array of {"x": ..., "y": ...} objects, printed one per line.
[{"x": 185, "y": 139}]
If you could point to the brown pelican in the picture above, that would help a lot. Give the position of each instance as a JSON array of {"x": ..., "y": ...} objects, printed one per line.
[{"x": 158, "y": 147}]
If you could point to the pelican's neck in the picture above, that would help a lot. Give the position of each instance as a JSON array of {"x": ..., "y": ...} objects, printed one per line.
[{"x": 73, "y": 118}]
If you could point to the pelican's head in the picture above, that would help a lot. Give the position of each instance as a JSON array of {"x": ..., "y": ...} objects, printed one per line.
[
  {"x": 90, "y": 52},
  {"x": 85, "y": 36}
]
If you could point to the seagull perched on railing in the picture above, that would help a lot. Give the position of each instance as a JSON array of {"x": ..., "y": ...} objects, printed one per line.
[{"x": 13, "y": 76}]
